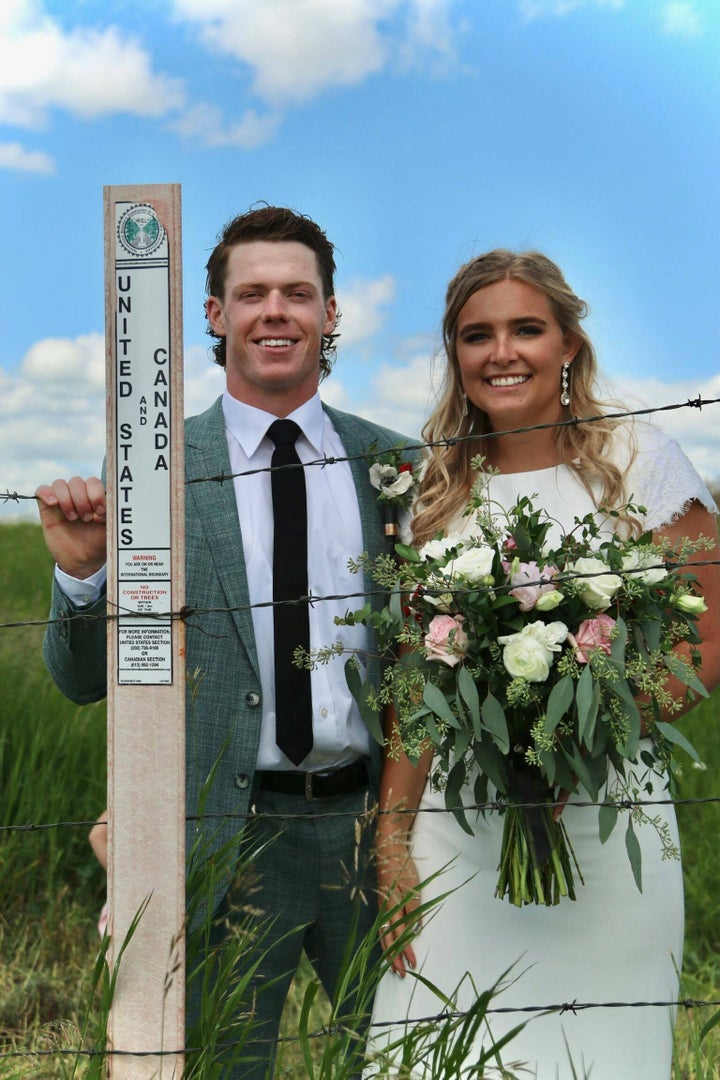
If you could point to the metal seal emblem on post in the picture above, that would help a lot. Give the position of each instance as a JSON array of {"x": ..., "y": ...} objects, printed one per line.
[{"x": 139, "y": 230}]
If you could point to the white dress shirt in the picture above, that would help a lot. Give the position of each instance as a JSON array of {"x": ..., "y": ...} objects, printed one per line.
[{"x": 334, "y": 536}]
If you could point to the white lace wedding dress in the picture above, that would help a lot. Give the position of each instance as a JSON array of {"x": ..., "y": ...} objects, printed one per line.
[{"x": 613, "y": 944}]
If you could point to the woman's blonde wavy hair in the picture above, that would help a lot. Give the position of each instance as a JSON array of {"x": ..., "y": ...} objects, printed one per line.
[{"x": 447, "y": 475}]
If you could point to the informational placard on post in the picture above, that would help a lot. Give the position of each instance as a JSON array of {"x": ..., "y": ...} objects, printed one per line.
[
  {"x": 142, "y": 444},
  {"x": 146, "y": 639}
]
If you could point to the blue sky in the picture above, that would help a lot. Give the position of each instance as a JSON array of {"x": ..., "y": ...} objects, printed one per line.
[{"x": 416, "y": 132}]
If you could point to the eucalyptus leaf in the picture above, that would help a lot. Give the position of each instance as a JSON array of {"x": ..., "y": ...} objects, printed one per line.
[
  {"x": 395, "y": 606},
  {"x": 559, "y": 701},
  {"x": 582, "y": 772},
  {"x": 494, "y": 721},
  {"x": 632, "y": 846},
  {"x": 469, "y": 694},
  {"x": 361, "y": 691},
  {"x": 462, "y": 741},
  {"x": 619, "y": 642},
  {"x": 607, "y": 819},
  {"x": 453, "y": 795},
  {"x": 676, "y": 737},
  {"x": 621, "y": 690},
  {"x": 651, "y": 628},
  {"x": 436, "y": 700},
  {"x": 492, "y": 763},
  {"x": 685, "y": 674},
  {"x": 587, "y": 697}
]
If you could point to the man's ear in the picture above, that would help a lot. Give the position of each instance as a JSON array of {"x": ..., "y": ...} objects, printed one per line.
[
  {"x": 331, "y": 312},
  {"x": 215, "y": 315}
]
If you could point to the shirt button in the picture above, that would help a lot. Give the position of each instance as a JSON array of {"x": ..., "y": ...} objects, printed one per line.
[
  {"x": 242, "y": 780},
  {"x": 323, "y": 713},
  {"x": 252, "y": 699}
]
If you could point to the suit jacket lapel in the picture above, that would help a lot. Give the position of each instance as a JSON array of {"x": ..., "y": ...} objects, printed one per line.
[
  {"x": 355, "y": 434},
  {"x": 206, "y": 454}
]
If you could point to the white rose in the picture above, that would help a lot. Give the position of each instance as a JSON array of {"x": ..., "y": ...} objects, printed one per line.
[
  {"x": 438, "y": 549},
  {"x": 529, "y": 654},
  {"x": 474, "y": 564},
  {"x": 597, "y": 591},
  {"x": 646, "y": 560}
]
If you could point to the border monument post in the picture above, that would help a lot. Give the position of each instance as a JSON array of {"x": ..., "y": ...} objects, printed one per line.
[{"x": 146, "y": 644}]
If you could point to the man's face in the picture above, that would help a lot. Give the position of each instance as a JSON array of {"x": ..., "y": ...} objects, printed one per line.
[{"x": 273, "y": 317}]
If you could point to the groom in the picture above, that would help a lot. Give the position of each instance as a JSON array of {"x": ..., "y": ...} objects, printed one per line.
[{"x": 309, "y": 761}]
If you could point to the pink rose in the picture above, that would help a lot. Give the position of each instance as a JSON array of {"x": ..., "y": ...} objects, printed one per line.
[
  {"x": 592, "y": 634},
  {"x": 525, "y": 578},
  {"x": 446, "y": 640}
]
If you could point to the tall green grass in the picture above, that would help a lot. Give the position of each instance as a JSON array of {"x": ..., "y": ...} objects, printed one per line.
[{"x": 52, "y": 770}]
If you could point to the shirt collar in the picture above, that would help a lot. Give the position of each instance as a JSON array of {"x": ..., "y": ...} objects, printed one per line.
[{"x": 249, "y": 425}]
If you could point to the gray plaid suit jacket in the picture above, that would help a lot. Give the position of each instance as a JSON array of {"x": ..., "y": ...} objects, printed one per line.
[{"x": 224, "y": 706}]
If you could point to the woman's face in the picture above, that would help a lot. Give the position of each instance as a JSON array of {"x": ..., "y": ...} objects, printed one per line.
[{"x": 511, "y": 349}]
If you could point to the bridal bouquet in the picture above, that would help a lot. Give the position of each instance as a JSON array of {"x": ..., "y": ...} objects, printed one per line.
[{"x": 536, "y": 666}]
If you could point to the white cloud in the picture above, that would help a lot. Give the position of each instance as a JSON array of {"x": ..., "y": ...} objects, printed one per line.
[
  {"x": 85, "y": 71},
  {"x": 680, "y": 18},
  {"x": 536, "y": 9},
  {"x": 398, "y": 395},
  {"x": 204, "y": 123},
  {"x": 296, "y": 49},
  {"x": 15, "y": 156},
  {"x": 361, "y": 303},
  {"x": 697, "y": 430}
]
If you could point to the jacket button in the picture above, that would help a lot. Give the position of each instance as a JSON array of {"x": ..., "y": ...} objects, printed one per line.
[
  {"x": 252, "y": 699},
  {"x": 242, "y": 780}
]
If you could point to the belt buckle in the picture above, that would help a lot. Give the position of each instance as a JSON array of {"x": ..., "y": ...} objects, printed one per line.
[{"x": 309, "y": 787}]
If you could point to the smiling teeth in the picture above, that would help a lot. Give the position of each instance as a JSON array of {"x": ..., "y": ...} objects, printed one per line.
[
  {"x": 272, "y": 341},
  {"x": 508, "y": 380}
]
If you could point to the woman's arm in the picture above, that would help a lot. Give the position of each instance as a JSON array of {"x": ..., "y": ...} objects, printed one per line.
[
  {"x": 696, "y": 522},
  {"x": 401, "y": 787}
]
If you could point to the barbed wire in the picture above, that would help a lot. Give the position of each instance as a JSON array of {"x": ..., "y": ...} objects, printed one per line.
[
  {"x": 690, "y": 403},
  {"x": 562, "y": 1008},
  {"x": 186, "y": 613},
  {"x": 491, "y": 805}
]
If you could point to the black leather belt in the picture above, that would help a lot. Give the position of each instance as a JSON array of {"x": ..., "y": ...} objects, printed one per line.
[{"x": 317, "y": 785}]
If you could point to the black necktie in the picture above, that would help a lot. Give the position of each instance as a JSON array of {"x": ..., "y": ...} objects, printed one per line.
[{"x": 293, "y": 702}]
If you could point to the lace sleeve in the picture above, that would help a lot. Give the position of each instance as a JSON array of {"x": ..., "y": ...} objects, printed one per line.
[{"x": 663, "y": 480}]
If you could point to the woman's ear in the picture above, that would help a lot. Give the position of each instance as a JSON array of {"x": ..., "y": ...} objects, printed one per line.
[{"x": 571, "y": 346}]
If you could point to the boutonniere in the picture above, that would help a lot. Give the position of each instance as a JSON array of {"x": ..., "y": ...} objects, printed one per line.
[{"x": 393, "y": 478}]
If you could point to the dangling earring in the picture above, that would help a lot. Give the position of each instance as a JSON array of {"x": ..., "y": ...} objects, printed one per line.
[
  {"x": 564, "y": 392},
  {"x": 465, "y": 405}
]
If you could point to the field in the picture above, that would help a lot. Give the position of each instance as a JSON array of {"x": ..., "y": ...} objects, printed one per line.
[{"x": 52, "y": 770}]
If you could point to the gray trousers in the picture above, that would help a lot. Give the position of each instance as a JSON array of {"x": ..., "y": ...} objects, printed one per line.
[{"x": 310, "y": 885}]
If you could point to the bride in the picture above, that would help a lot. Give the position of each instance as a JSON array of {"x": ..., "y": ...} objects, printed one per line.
[{"x": 518, "y": 358}]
